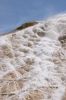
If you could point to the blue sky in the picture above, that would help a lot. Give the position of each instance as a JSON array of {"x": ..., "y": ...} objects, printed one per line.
[{"x": 16, "y": 12}]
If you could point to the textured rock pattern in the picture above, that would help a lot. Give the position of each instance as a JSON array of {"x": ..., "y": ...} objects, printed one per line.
[{"x": 33, "y": 62}]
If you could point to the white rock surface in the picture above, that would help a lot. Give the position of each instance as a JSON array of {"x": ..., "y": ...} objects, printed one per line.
[{"x": 33, "y": 62}]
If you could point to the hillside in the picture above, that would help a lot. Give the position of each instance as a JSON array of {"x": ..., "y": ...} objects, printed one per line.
[{"x": 33, "y": 62}]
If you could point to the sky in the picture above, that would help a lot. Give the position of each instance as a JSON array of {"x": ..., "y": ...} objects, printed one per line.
[{"x": 16, "y": 12}]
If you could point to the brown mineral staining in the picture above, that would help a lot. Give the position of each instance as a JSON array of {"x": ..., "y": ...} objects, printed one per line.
[
  {"x": 20, "y": 83},
  {"x": 29, "y": 61},
  {"x": 30, "y": 44},
  {"x": 14, "y": 97},
  {"x": 10, "y": 76},
  {"x": 27, "y": 24},
  {"x": 62, "y": 38},
  {"x": 39, "y": 32},
  {"x": 7, "y": 51},
  {"x": 35, "y": 95},
  {"x": 21, "y": 70},
  {"x": 25, "y": 50},
  {"x": 64, "y": 96},
  {"x": 11, "y": 94},
  {"x": 13, "y": 86},
  {"x": 3, "y": 67},
  {"x": 10, "y": 87},
  {"x": 27, "y": 67},
  {"x": 1, "y": 53},
  {"x": 3, "y": 89}
]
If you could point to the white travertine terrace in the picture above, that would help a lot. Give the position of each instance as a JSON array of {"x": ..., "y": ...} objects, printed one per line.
[{"x": 33, "y": 62}]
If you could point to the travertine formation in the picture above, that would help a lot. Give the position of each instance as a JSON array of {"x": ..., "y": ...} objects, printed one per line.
[{"x": 33, "y": 62}]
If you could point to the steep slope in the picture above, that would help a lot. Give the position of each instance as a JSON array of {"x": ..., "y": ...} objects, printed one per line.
[{"x": 33, "y": 62}]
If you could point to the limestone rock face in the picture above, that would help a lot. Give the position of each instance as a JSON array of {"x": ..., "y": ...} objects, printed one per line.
[{"x": 33, "y": 62}]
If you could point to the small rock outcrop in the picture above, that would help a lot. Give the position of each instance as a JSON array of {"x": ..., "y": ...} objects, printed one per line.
[{"x": 27, "y": 24}]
